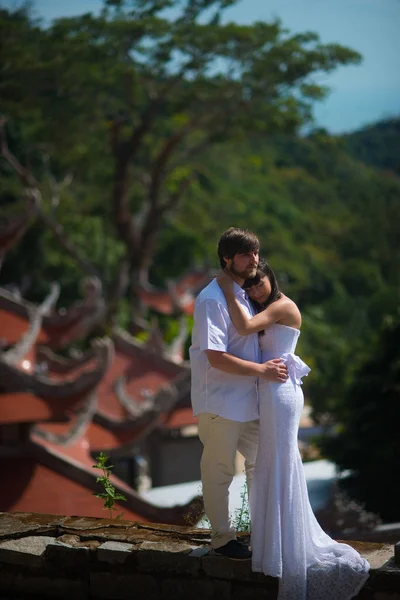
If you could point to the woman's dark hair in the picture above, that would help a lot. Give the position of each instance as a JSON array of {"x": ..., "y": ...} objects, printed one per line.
[
  {"x": 236, "y": 241},
  {"x": 263, "y": 270}
]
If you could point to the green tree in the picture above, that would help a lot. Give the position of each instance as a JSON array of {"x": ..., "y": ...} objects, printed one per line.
[
  {"x": 130, "y": 102},
  {"x": 368, "y": 442},
  {"x": 377, "y": 144},
  {"x": 147, "y": 137},
  {"x": 327, "y": 224}
]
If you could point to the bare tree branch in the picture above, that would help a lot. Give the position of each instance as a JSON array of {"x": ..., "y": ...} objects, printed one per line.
[
  {"x": 30, "y": 181},
  {"x": 162, "y": 159},
  {"x": 62, "y": 238},
  {"x": 164, "y": 156},
  {"x": 206, "y": 142},
  {"x": 150, "y": 114},
  {"x": 24, "y": 174},
  {"x": 125, "y": 153},
  {"x": 156, "y": 210},
  {"x": 174, "y": 198}
]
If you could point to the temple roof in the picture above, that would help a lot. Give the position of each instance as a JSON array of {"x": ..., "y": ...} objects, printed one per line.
[
  {"x": 58, "y": 328},
  {"x": 107, "y": 398},
  {"x": 42, "y": 488},
  {"x": 180, "y": 295},
  {"x": 137, "y": 381},
  {"x": 179, "y": 418},
  {"x": 73, "y": 457},
  {"x": 24, "y": 388}
]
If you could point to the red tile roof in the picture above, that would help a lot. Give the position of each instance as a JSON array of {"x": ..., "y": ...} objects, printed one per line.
[
  {"x": 145, "y": 374},
  {"x": 180, "y": 297},
  {"x": 68, "y": 423},
  {"x": 25, "y": 407},
  {"x": 39, "y": 488},
  {"x": 179, "y": 418}
]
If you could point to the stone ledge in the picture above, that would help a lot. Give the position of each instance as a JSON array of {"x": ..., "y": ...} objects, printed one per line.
[
  {"x": 55, "y": 557},
  {"x": 114, "y": 552}
]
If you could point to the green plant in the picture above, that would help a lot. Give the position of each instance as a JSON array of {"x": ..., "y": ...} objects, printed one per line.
[
  {"x": 109, "y": 496},
  {"x": 241, "y": 517}
]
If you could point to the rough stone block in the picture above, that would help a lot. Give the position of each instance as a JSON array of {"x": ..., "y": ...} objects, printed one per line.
[
  {"x": 386, "y": 596},
  {"x": 268, "y": 591},
  {"x": 7, "y": 578},
  {"x": 84, "y": 523},
  {"x": 376, "y": 554},
  {"x": 200, "y": 551},
  {"x": 218, "y": 566},
  {"x": 182, "y": 589},
  {"x": 52, "y": 588},
  {"x": 365, "y": 594},
  {"x": 170, "y": 547},
  {"x": 221, "y": 567},
  {"x": 71, "y": 540},
  {"x": 137, "y": 586},
  {"x": 170, "y": 556},
  {"x": 10, "y": 524},
  {"x": 64, "y": 557},
  {"x": 397, "y": 553},
  {"x": 76, "y": 542},
  {"x": 26, "y": 551},
  {"x": 114, "y": 552},
  {"x": 386, "y": 579}
]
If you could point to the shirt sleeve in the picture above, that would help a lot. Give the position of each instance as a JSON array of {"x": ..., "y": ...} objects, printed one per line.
[{"x": 212, "y": 322}]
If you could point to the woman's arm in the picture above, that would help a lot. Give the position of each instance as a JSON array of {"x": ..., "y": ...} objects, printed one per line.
[{"x": 245, "y": 325}]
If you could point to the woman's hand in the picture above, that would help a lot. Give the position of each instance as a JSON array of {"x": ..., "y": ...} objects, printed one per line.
[{"x": 224, "y": 281}]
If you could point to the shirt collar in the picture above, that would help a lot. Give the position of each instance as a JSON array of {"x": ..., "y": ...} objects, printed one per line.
[{"x": 238, "y": 290}]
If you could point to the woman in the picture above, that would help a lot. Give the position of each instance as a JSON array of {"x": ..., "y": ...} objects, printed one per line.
[{"x": 287, "y": 541}]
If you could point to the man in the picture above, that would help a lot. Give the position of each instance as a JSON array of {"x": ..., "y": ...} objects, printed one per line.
[{"x": 225, "y": 370}]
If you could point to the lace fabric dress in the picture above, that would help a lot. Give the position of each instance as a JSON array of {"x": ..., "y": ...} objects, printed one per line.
[{"x": 286, "y": 539}]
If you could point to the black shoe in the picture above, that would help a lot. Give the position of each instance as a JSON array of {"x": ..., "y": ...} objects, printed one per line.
[{"x": 234, "y": 550}]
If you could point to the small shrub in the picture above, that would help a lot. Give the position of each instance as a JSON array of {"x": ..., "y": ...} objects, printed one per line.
[{"x": 109, "y": 496}]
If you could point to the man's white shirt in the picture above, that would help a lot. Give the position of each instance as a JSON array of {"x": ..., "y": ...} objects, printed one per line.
[{"x": 233, "y": 397}]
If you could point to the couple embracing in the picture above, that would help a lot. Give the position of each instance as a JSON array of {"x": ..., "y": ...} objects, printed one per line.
[{"x": 246, "y": 392}]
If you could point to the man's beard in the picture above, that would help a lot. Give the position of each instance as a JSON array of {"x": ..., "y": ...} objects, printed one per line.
[{"x": 246, "y": 274}]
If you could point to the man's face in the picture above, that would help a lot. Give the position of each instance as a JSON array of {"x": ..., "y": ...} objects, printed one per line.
[{"x": 244, "y": 265}]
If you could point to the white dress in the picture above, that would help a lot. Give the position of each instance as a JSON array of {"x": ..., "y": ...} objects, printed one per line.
[{"x": 286, "y": 539}]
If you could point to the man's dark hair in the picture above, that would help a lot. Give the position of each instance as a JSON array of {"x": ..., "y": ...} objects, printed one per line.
[{"x": 236, "y": 241}]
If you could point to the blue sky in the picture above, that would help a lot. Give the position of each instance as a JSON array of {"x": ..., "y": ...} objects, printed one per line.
[{"x": 360, "y": 94}]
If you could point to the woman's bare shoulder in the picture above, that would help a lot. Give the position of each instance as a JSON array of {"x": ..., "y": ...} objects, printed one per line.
[{"x": 291, "y": 315}]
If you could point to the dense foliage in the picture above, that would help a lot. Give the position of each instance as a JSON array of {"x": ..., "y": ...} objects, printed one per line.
[
  {"x": 368, "y": 442},
  {"x": 377, "y": 145},
  {"x": 147, "y": 137},
  {"x": 124, "y": 107},
  {"x": 329, "y": 226}
]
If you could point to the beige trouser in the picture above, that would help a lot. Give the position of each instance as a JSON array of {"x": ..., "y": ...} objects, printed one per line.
[{"x": 221, "y": 438}]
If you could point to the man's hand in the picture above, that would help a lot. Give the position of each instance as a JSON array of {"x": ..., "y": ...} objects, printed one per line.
[{"x": 274, "y": 370}]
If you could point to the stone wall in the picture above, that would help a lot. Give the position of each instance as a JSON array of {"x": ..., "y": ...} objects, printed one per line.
[{"x": 79, "y": 558}]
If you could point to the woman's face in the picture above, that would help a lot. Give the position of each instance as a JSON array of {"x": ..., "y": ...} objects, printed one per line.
[{"x": 260, "y": 291}]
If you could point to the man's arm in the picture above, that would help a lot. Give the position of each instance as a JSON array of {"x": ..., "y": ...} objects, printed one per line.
[{"x": 272, "y": 370}]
